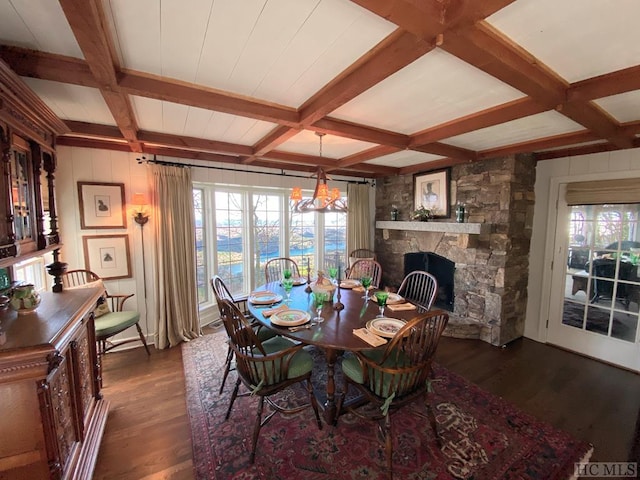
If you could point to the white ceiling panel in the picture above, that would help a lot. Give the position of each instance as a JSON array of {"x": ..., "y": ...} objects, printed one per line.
[
  {"x": 308, "y": 143},
  {"x": 623, "y": 107},
  {"x": 536, "y": 126},
  {"x": 176, "y": 119},
  {"x": 578, "y": 39},
  {"x": 434, "y": 89},
  {"x": 37, "y": 24},
  {"x": 404, "y": 158},
  {"x": 72, "y": 102}
]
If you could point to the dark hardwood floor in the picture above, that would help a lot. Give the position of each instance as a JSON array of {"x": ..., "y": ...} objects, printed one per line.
[{"x": 147, "y": 435}]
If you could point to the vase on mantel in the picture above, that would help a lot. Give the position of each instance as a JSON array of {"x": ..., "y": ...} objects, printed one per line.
[{"x": 24, "y": 299}]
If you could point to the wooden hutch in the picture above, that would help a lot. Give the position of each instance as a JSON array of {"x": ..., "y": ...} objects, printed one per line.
[{"x": 52, "y": 412}]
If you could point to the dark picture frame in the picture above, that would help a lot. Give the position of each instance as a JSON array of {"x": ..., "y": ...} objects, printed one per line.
[
  {"x": 108, "y": 256},
  {"x": 102, "y": 205},
  {"x": 431, "y": 191}
]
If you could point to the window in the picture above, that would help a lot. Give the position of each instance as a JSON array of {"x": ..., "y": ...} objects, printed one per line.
[{"x": 250, "y": 225}]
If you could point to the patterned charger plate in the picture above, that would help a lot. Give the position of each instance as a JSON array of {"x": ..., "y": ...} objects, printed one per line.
[
  {"x": 290, "y": 318},
  {"x": 392, "y": 299},
  {"x": 264, "y": 298},
  {"x": 348, "y": 283},
  {"x": 385, "y": 327}
]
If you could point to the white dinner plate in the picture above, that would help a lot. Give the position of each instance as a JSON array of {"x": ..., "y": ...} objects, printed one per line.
[
  {"x": 349, "y": 283},
  {"x": 264, "y": 298},
  {"x": 392, "y": 299},
  {"x": 385, "y": 327},
  {"x": 290, "y": 318},
  {"x": 299, "y": 281}
]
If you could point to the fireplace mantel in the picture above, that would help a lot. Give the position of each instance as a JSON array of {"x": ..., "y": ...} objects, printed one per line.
[{"x": 442, "y": 227}]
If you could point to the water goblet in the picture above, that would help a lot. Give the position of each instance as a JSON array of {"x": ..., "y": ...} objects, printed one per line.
[
  {"x": 333, "y": 273},
  {"x": 318, "y": 302},
  {"x": 287, "y": 284},
  {"x": 381, "y": 298},
  {"x": 366, "y": 283}
]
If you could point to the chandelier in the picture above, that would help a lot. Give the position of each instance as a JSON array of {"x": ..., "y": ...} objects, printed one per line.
[{"x": 323, "y": 200}]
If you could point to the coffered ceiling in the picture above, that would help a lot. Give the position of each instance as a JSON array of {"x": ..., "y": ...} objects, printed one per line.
[{"x": 398, "y": 86}]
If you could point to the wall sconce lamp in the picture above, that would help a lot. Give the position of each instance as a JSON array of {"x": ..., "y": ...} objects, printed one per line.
[{"x": 141, "y": 217}]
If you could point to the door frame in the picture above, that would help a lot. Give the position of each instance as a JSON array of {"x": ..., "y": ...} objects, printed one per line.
[{"x": 618, "y": 352}]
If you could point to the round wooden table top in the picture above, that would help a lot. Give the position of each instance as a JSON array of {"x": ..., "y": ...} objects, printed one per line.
[{"x": 336, "y": 331}]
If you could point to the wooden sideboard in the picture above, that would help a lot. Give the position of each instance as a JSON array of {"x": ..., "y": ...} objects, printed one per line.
[{"x": 52, "y": 414}]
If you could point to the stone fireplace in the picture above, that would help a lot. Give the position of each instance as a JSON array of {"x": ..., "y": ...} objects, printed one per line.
[
  {"x": 441, "y": 268},
  {"x": 490, "y": 252}
]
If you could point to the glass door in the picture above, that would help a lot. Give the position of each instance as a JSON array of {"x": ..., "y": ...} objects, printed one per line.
[{"x": 596, "y": 290}]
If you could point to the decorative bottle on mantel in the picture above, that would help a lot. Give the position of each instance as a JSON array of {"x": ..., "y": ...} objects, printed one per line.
[
  {"x": 460, "y": 211},
  {"x": 24, "y": 299}
]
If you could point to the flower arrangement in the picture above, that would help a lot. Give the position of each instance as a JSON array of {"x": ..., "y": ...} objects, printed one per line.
[{"x": 422, "y": 214}]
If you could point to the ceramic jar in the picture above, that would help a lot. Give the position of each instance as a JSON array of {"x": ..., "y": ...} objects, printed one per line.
[{"x": 24, "y": 299}]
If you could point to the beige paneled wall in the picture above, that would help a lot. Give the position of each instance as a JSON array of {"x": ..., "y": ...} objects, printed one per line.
[
  {"x": 90, "y": 165},
  {"x": 550, "y": 174}
]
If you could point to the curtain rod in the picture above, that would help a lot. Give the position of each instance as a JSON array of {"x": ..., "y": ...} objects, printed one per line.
[{"x": 228, "y": 169}]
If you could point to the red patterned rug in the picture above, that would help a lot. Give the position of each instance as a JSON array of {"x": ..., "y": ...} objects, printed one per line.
[{"x": 483, "y": 436}]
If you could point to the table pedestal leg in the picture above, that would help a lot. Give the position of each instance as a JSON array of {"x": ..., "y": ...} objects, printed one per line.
[{"x": 330, "y": 413}]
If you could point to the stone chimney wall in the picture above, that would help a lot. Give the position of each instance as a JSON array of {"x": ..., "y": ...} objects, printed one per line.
[{"x": 491, "y": 269}]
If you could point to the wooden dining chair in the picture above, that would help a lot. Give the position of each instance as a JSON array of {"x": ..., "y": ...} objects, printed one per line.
[
  {"x": 369, "y": 268},
  {"x": 110, "y": 317},
  {"x": 265, "y": 368},
  {"x": 420, "y": 288},
  {"x": 359, "y": 254},
  {"x": 221, "y": 292},
  {"x": 392, "y": 377},
  {"x": 274, "y": 268}
]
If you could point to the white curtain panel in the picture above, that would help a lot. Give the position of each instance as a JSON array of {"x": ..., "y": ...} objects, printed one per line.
[
  {"x": 175, "y": 283},
  {"x": 358, "y": 217}
]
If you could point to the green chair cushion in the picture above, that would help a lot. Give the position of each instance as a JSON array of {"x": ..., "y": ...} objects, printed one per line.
[
  {"x": 265, "y": 333},
  {"x": 351, "y": 368},
  {"x": 115, "y": 322},
  {"x": 300, "y": 364}
]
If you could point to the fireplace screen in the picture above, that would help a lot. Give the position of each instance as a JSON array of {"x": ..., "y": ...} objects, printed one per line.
[{"x": 440, "y": 267}]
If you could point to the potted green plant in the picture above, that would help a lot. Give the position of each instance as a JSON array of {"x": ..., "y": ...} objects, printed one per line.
[{"x": 422, "y": 214}]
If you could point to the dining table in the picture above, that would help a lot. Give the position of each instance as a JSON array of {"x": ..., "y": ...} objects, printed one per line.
[{"x": 335, "y": 335}]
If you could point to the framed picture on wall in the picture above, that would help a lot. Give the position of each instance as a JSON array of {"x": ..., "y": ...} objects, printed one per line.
[
  {"x": 431, "y": 191},
  {"x": 101, "y": 205},
  {"x": 107, "y": 255}
]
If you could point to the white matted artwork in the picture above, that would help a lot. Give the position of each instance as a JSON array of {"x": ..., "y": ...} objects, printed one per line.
[
  {"x": 431, "y": 191},
  {"x": 101, "y": 205},
  {"x": 107, "y": 256}
]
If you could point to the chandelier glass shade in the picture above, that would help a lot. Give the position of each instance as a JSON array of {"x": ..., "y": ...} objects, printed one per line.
[{"x": 323, "y": 200}]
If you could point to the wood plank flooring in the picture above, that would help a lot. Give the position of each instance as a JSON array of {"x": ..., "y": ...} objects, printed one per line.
[{"x": 147, "y": 435}]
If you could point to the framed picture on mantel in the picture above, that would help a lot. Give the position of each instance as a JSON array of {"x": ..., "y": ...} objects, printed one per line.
[
  {"x": 431, "y": 191},
  {"x": 101, "y": 205}
]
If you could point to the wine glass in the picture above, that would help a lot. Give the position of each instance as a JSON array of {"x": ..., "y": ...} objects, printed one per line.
[
  {"x": 287, "y": 284},
  {"x": 318, "y": 301},
  {"x": 286, "y": 274},
  {"x": 381, "y": 298},
  {"x": 333, "y": 273},
  {"x": 366, "y": 283}
]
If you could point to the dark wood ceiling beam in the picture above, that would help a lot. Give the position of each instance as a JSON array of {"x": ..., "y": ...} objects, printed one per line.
[
  {"x": 193, "y": 143},
  {"x": 161, "y": 88},
  {"x": 395, "y": 52},
  {"x": 341, "y": 128},
  {"x": 48, "y": 66},
  {"x": 369, "y": 154},
  {"x": 522, "y": 107},
  {"x": 554, "y": 141},
  {"x": 613, "y": 83},
  {"x": 94, "y": 130},
  {"x": 432, "y": 165},
  {"x": 589, "y": 115},
  {"x": 328, "y": 164},
  {"x": 84, "y": 142},
  {"x": 445, "y": 150},
  {"x": 274, "y": 139},
  {"x": 86, "y": 20},
  {"x": 572, "y": 152}
]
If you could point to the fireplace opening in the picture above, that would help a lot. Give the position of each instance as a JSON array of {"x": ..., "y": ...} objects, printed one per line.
[{"x": 440, "y": 267}]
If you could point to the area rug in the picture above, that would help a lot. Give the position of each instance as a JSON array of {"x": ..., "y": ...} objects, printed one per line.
[{"x": 483, "y": 437}]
